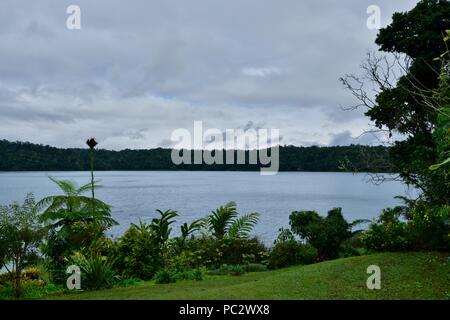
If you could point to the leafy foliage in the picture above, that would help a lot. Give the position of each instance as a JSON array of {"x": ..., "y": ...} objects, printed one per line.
[
  {"x": 20, "y": 235},
  {"x": 165, "y": 276},
  {"x": 291, "y": 252},
  {"x": 140, "y": 249},
  {"x": 72, "y": 206},
  {"x": 211, "y": 252},
  {"x": 417, "y": 226},
  {"x": 223, "y": 222},
  {"x": 96, "y": 271},
  {"x": 325, "y": 234},
  {"x": 75, "y": 222},
  {"x": 388, "y": 233}
]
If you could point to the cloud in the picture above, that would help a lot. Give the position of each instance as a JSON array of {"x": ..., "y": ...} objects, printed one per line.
[
  {"x": 261, "y": 72},
  {"x": 346, "y": 138},
  {"x": 136, "y": 71}
]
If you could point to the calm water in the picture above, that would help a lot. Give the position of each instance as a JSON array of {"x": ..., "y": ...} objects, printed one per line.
[{"x": 136, "y": 195}]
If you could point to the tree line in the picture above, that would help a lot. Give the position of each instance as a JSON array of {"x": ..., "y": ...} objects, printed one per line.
[{"x": 25, "y": 156}]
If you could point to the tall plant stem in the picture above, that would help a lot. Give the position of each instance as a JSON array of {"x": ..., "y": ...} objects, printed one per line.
[{"x": 92, "y": 177}]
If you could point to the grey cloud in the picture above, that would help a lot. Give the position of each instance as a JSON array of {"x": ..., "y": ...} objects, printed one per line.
[
  {"x": 346, "y": 138},
  {"x": 165, "y": 63}
]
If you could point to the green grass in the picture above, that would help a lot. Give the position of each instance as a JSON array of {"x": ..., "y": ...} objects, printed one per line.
[{"x": 418, "y": 275}]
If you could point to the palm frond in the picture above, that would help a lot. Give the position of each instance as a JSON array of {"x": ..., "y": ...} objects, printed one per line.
[
  {"x": 220, "y": 219},
  {"x": 358, "y": 222},
  {"x": 67, "y": 186},
  {"x": 88, "y": 186},
  {"x": 241, "y": 227},
  {"x": 188, "y": 229}
]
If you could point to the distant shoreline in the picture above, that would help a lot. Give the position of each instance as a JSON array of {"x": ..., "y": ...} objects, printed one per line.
[{"x": 25, "y": 156}]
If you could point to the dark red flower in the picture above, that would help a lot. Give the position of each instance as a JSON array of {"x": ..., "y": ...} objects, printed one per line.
[{"x": 91, "y": 143}]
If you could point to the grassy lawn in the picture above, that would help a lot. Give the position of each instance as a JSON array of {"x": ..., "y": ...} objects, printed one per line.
[{"x": 418, "y": 275}]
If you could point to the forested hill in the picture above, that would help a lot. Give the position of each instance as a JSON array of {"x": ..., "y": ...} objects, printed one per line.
[{"x": 24, "y": 156}]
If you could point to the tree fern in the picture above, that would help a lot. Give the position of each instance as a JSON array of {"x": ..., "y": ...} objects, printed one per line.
[{"x": 72, "y": 206}]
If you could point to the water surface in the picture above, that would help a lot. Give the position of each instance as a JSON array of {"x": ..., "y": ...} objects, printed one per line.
[{"x": 135, "y": 195}]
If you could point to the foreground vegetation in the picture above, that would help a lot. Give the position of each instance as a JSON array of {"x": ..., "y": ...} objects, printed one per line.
[{"x": 416, "y": 275}]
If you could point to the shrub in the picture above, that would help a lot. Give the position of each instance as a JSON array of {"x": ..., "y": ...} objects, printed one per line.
[
  {"x": 182, "y": 261},
  {"x": 212, "y": 252},
  {"x": 388, "y": 233},
  {"x": 289, "y": 253},
  {"x": 425, "y": 227},
  {"x": 30, "y": 274},
  {"x": 96, "y": 271},
  {"x": 351, "y": 247},
  {"x": 227, "y": 269},
  {"x": 139, "y": 254},
  {"x": 284, "y": 235},
  {"x": 255, "y": 267},
  {"x": 326, "y": 234},
  {"x": 33, "y": 289},
  {"x": 428, "y": 226},
  {"x": 140, "y": 250},
  {"x": 197, "y": 275},
  {"x": 235, "y": 270},
  {"x": 165, "y": 276}
]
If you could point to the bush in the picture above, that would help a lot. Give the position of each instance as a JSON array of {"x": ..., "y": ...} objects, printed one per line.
[
  {"x": 29, "y": 275},
  {"x": 140, "y": 250},
  {"x": 212, "y": 253},
  {"x": 388, "y": 233},
  {"x": 32, "y": 273},
  {"x": 289, "y": 253},
  {"x": 226, "y": 269},
  {"x": 255, "y": 267},
  {"x": 325, "y": 234},
  {"x": 32, "y": 289},
  {"x": 185, "y": 260},
  {"x": 196, "y": 275},
  {"x": 425, "y": 228},
  {"x": 165, "y": 276},
  {"x": 351, "y": 247},
  {"x": 139, "y": 254},
  {"x": 96, "y": 271},
  {"x": 428, "y": 226}
]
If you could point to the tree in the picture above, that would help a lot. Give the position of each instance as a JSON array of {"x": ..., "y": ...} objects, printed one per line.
[
  {"x": 325, "y": 234},
  {"x": 403, "y": 105},
  {"x": 72, "y": 207},
  {"x": 72, "y": 223},
  {"x": 442, "y": 98},
  {"x": 223, "y": 222},
  {"x": 20, "y": 235}
]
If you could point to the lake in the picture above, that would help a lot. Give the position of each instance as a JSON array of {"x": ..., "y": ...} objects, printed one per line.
[{"x": 135, "y": 195}]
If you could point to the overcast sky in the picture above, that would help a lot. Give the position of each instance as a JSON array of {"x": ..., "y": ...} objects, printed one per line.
[{"x": 138, "y": 70}]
